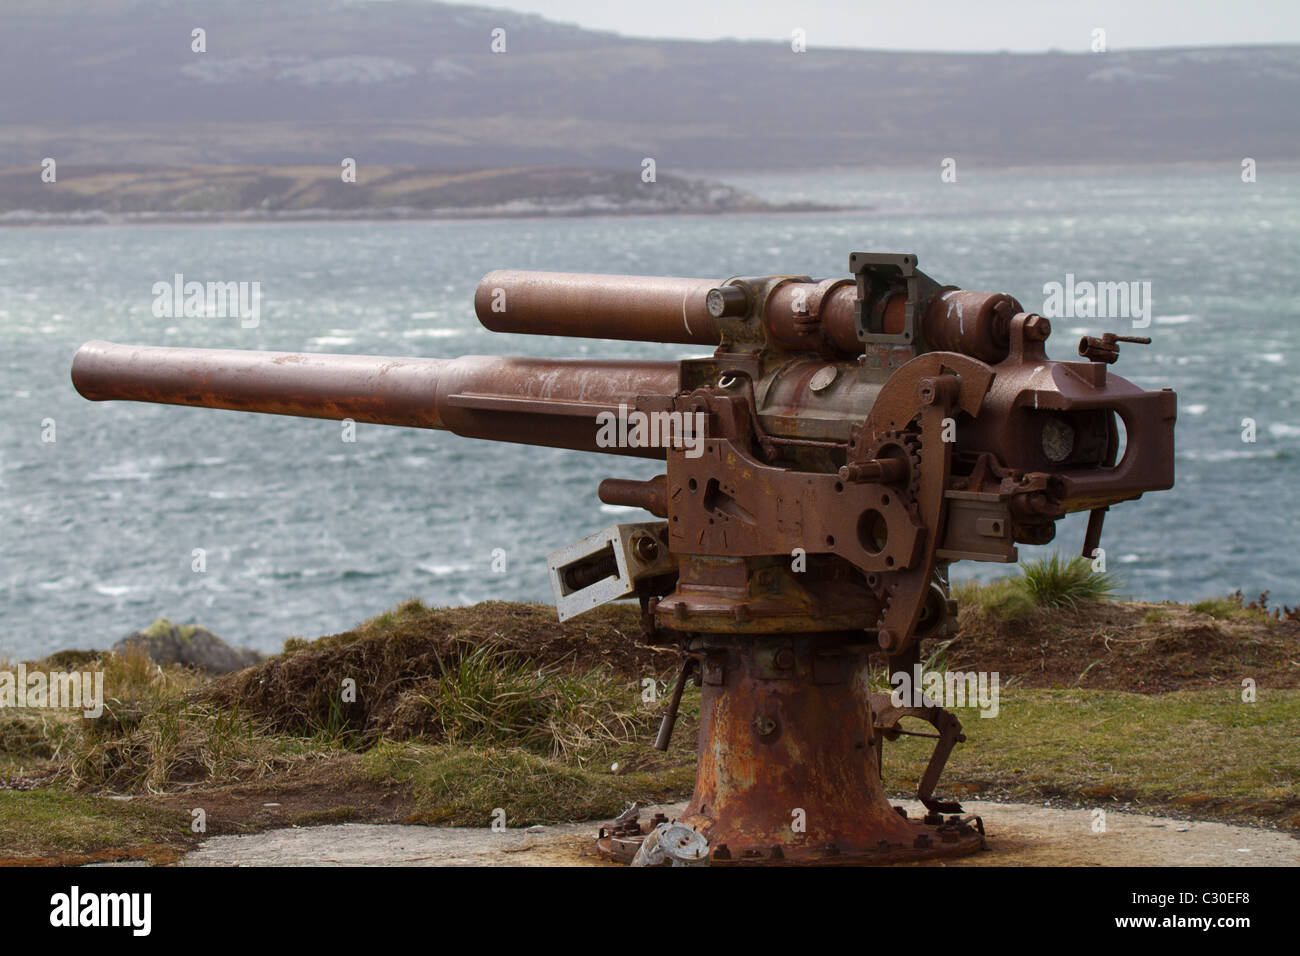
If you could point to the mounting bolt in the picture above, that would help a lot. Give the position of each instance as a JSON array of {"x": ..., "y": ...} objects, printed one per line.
[{"x": 1037, "y": 328}]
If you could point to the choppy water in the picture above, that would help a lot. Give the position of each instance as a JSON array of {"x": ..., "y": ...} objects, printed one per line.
[{"x": 307, "y": 535}]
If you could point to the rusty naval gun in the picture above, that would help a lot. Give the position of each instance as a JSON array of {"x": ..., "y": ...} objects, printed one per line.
[{"x": 844, "y": 443}]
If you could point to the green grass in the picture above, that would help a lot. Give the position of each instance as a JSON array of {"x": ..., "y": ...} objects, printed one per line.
[
  {"x": 539, "y": 743},
  {"x": 1005, "y": 599},
  {"x": 1231, "y": 608},
  {"x": 408, "y": 611},
  {"x": 464, "y": 785},
  {"x": 162, "y": 627},
  {"x": 487, "y": 697},
  {"x": 1188, "y": 750},
  {"x": 1051, "y": 582},
  {"x": 158, "y": 732},
  {"x": 153, "y": 735},
  {"x": 1055, "y": 582},
  {"x": 47, "y": 822},
  {"x": 177, "y": 743}
]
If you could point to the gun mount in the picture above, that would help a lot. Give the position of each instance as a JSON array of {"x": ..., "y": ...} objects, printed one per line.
[{"x": 845, "y": 442}]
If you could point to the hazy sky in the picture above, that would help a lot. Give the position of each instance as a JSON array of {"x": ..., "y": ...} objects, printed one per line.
[{"x": 1023, "y": 25}]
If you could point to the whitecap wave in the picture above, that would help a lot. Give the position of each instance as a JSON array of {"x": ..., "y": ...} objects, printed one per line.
[{"x": 431, "y": 333}]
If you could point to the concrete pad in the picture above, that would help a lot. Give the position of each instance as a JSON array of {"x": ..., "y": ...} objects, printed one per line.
[{"x": 1018, "y": 835}]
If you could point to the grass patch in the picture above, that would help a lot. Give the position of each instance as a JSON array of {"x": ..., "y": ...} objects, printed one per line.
[
  {"x": 1048, "y": 583},
  {"x": 163, "y": 728},
  {"x": 425, "y": 672},
  {"x": 464, "y": 785},
  {"x": 155, "y": 733},
  {"x": 1004, "y": 599},
  {"x": 177, "y": 742},
  {"x": 44, "y": 823},
  {"x": 1205, "y": 750},
  {"x": 490, "y": 697},
  {"x": 28, "y": 736},
  {"x": 1054, "y": 582},
  {"x": 1233, "y": 608}
]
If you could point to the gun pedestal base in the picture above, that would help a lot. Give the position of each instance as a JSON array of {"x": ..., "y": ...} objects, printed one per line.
[{"x": 788, "y": 767}]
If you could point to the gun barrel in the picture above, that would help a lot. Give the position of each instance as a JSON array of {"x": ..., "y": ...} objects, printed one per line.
[
  {"x": 630, "y": 308},
  {"x": 799, "y": 314},
  {"x": 663, "y": 309},
  {"x": 552, "y": 402}
]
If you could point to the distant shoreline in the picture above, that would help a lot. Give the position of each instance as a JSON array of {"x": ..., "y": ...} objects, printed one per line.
[
  {"x": 238, "y": 195},
  {"x": 115, "y": 195},
  {"x": 18, "y": 221}
]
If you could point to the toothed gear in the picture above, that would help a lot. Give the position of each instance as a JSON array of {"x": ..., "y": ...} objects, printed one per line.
[{"x": 904, "y": 445}]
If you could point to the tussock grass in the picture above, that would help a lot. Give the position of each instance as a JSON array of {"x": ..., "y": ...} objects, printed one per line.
[
  {"x": 1004, "y": 599},
  {"x": 398, "y": 661},
  {"x": 1054, "y": 582},
  {"x": 487, "y": 696},
  {"x": 1047, "y": 583},
  {"x": 176, "y": 743},
  {"x": 154, "y": 734},
  {"x": 163, "y": 728},
  {"x": 29, "y": 740}
]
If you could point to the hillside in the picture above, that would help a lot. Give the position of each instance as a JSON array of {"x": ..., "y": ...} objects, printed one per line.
[{"x": 408, "y": 82}]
